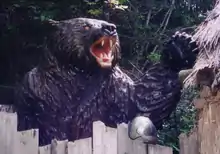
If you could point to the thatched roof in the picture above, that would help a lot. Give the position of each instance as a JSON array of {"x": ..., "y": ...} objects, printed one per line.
[{"x": 208, "y": 37}]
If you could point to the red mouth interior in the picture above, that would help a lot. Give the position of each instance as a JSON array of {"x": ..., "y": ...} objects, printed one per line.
[{"x": 102, "y": 49}]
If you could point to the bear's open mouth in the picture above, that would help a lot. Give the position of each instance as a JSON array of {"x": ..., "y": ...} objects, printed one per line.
[{"x": 102, "y": 51}]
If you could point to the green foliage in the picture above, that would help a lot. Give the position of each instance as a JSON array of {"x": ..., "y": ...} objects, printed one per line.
[
  {"x": 122, "y": 1},
  {"x": 182, "y": 120},
  {"x": 154, "y": 57},
  {"x": 95, "y": 12}
]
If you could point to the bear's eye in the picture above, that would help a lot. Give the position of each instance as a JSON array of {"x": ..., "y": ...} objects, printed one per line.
[{"x": 86, "y": 27}]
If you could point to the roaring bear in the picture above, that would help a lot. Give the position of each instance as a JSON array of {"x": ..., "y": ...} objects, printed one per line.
[{"x": 79, "y": 81}]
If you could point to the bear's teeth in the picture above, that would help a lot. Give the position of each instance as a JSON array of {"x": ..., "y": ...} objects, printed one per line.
[
  {"x": 109, "y": 54},
  {"x": 103, "y": 42},
  {"x": 110, "y": 43},
  {"x": 101, "y": 55}
]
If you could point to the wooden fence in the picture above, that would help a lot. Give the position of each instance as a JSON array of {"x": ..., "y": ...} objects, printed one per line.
[
  {"x": 105, "y": 140},
  {"x": 189, "y": 143}
]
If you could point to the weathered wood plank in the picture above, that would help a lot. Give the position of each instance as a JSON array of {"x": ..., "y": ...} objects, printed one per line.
[
  {"x": 59, "y": 147},
  {"x": 125, "y": 144},
  {"x": 28, "y": 141},
  {"x": 157, "y": 149},
  {"x": 128, "y": 146},
  {"x": 104, "y": 139},
  {"x": 139, "y": 147},
  {"x": 110, "y": 141},
  {"x": 44, "y": 149},
  {"x": 189, "y": 144},
  {"x": 83, "y": 146},
  {"x": 183, "y": 143},
  {"x": 8, "y": 133},
  {"x": 98, "y": 137}
]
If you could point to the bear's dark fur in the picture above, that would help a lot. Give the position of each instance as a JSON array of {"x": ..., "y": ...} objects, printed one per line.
[{"x": 67, "y": 91}]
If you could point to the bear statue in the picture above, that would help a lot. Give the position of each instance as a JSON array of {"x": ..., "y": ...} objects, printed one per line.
[{"x": 79, "y": 81}]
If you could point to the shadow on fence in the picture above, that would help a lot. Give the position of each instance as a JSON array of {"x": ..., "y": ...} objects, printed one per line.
[{"x": 105, "y": 140}]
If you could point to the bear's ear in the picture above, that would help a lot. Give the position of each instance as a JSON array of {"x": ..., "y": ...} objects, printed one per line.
[{"x": 51, "y": 22}]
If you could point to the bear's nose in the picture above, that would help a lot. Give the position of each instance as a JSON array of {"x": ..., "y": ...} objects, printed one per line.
[{"x": 109, "y": 29}]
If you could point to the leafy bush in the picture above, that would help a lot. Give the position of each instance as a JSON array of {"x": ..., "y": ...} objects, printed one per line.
[{"x": 182, "y": 120}]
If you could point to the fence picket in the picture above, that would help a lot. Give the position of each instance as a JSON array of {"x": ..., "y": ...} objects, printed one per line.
[
  {"x": 156, "y": 149},
  {"x": 8, "y": 133},
  {"x": 44, "y": 149},
  {"x": 98, "y": 137},
  {"x": 83, "y": 146},
  {"x": 28, "y": 141},
  {"x": 104, "y": 139},
  {"x": 59, "y": 147},
  {"x": 124, "y": 143},
  {"x": 139, "y": 147},
  {"x": 189, "y": 142},
  {"x": 110, "y": 141}
]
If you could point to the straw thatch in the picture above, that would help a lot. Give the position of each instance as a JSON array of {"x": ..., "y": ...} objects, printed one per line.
[{"x": 207, "y": 35}]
